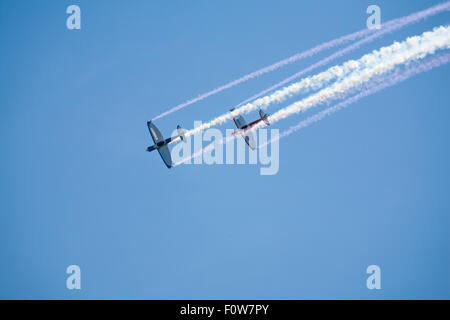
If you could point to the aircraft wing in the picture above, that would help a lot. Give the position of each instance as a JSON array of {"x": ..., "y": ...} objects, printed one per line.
[
  {"x": 240, "y": 122},
  {"x": 154, "y": 132},
  {"x": 250, "y": 139},
  {"x": 165, "y": 155},
  {"x": 248, "y": 136}
]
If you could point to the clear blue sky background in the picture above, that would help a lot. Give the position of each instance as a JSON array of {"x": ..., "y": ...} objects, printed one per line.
[{"x": 369, "y": 185}]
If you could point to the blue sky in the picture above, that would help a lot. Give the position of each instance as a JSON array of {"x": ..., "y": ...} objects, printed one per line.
[{"x": 368, "y": 185}]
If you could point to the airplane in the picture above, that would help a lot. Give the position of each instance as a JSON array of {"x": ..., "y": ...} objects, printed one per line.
[
  {"x": 161, "y": 144},
  {"x": 243, "y": 127}
]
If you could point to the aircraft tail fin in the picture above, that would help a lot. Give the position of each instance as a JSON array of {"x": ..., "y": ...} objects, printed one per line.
[
  {"x": 264, "y": 117},
  {"x": 181, "y": 133}
]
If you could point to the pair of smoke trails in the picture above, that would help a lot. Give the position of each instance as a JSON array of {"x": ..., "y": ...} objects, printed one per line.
[
  {"x": 418, "y": 48},
  {"x": 385, "y": 27},
  {"x": 382, "y": 83},
  {"x": 389, "y": 27},
  {"x": 414, "y": 48},
  {"x": 316, "y": 82}
]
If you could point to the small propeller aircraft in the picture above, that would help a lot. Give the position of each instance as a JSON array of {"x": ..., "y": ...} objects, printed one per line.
[
  {"x": 161, "y": 144},
  {"x": 243, "y": 127}
]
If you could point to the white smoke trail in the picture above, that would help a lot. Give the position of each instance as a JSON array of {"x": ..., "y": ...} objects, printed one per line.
[
  {"x": 373, "y": 59},
  {"x": 414, "y": 18},
  {"x": 383, "y": 83},
  {"x": 413, "y": 49},
  {"x": 385, "y": 27}
]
